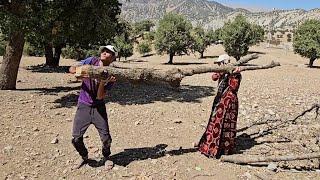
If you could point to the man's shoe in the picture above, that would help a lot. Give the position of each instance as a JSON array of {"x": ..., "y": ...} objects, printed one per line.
[{"x": 80, "y": 162}]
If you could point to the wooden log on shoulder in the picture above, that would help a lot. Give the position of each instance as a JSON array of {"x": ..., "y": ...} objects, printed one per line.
[{"x": 171, "y": 77}]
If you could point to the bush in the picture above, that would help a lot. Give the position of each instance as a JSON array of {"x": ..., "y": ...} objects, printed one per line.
[
  {"x": 29, "y": 50},
  {"x": 149, "y": 36},
  {"x": 144, "y": 48},
  {"x": 78, "y": 53},
  {"x": 239, "y": 35},
  {"x": 173, "y": 36},
  {"x": 2, "y": 48},
  {"x": 91, "y": 52},
  {"x": 71, "y": 53},
  {"x": 306, "y": 41}
]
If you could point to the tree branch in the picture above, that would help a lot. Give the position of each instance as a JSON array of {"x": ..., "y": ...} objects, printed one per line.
[
  {"x": 255, "y": 159},
  {"x": 227, "y": 68}
]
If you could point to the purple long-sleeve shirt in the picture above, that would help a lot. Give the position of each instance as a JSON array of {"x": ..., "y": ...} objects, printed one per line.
[{"x": 89, "y": 87}]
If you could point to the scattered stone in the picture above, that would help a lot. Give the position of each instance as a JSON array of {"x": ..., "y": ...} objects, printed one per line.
[
  {"x": 55, "y": 140},
  {"x": 247, "y": 175},
  {"x": 271, "y": 112},
  {"x": 154, "y": 161},
  {"x": 35, "y": 129},
  {"x": 68, "y": 119},
  {"x": 177, "y": 121},
  {"x": 137, "y": 123},
  {"x": 272, "y": 167},
  {"x": 8, "y": 149}
]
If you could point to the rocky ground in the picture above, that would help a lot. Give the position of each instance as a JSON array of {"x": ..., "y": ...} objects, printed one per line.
[{"x": 153, "y": 128}]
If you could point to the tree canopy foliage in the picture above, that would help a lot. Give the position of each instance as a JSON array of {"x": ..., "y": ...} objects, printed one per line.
[{"x": 306, "y": 40}]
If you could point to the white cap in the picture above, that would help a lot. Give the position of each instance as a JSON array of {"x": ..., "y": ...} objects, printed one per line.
[
  {"x": 223, "y": 58},
  {"x": 110, "y": 48}
]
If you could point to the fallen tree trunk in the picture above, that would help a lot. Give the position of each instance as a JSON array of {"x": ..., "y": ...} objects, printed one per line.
[
  {"x": 171, "y": 77},
  {"x": 256, "y": 159}
]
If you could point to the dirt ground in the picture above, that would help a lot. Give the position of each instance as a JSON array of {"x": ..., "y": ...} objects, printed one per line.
[{"x": 153, "y": 128}]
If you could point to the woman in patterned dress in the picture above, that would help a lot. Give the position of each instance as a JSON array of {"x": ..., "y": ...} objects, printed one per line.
[{"x": 219, "y": 137}]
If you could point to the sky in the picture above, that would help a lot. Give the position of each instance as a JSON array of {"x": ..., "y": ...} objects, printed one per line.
[{"x": 257, "y": 5}]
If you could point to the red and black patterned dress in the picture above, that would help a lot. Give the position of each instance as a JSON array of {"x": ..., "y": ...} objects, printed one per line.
[{"x": 219, "y": 137}]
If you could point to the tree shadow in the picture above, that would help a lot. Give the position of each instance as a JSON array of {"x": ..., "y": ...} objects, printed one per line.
[
  {"x": 148, "y": 55},
  {"x": 51, "y": 91},
  {"x": 256, "y": 52},
  {"x": 68, "y": 101},
  {"x": 42, "y": 68},
  {"x": 209, "y": 57},
  {"x": 315, "y": 67},
  {"x": 185, "y": 63},
  {"x": 245, "y": 142},
  {"x": 127, "y": 94},
  {"x": 133, "y": 60},
  {"x": 246, "y": 64}
]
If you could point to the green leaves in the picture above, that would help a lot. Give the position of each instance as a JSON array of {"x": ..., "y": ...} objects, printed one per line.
[
  {"x": 306, "y": 40},
  {"x": 202, "y": 39},
  {"x": 144, "y": 47},
  {"x": 173, "y": 35},
  {"x": 239, "y": 35}
]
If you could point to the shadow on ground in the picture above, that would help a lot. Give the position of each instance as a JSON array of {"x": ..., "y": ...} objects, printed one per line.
[
  {"x": 52, "y": 90},
  {"x": 185, "y": 63},
  {"x": 209, "y": 57},
  {"x": 42, "y": 68},
  {"x": 256, "y": 52},
  {"x": 128, "y": 156},
  {"x": 127, "y": 94}
]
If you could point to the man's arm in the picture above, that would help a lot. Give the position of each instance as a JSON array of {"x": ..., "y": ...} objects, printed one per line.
[{"x": 102, "y": 90}]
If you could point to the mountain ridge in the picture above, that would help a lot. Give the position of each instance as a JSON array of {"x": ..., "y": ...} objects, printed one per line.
[{"x": 211, "y": 14}]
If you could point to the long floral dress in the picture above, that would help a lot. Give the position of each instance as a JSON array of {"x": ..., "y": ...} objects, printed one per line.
[{"x": 219, "y": 137}]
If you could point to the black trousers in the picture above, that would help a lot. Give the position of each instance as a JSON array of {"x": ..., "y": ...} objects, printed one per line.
[{"x": 85, "y": 116}]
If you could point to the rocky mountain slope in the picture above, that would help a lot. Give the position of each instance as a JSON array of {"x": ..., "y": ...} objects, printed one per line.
[{"x": 211, "y": 14}]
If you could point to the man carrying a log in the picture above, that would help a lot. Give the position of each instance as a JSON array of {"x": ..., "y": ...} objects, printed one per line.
[{"x": 91, "y": 108}]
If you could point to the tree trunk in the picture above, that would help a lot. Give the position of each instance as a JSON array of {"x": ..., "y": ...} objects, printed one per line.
[
  {"x": 311, "y": 62},
  {"x": 11, "y": 61},
  {"x": 49, "y": 55},
  {"x": 170, "y": 58},
  {"x": 56, "y": 55},
  {"x": 201, "y": 54}
]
